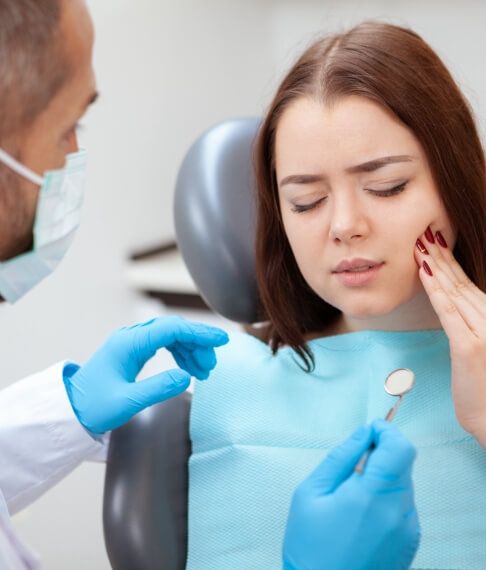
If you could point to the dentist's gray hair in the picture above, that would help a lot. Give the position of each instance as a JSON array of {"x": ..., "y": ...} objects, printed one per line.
[{"x": 32, "y": 63}]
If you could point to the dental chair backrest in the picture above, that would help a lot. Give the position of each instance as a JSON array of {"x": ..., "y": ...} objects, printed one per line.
[
  {"x": 146, "y": 482},
  {"x": 215, "y": 218}
]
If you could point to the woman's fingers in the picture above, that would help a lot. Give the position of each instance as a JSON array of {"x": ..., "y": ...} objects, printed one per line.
[{"x": 459, "y": 309}]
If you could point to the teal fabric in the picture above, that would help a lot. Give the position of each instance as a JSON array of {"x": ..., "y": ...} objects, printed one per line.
[{"x": 261, "y": 424}]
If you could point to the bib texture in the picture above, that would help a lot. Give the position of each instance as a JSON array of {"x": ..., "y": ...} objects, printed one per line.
[{"x": 261, "y": 424}]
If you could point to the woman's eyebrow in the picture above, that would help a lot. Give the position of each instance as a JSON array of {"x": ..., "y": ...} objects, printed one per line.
[
  {"x": 302, "y": 179},
  {"x": 369, "y": 166},
  {"x": 377, "y": 163}
]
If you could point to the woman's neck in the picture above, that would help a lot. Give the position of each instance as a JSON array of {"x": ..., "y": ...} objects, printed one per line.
[{"x": 417, "y": 314}]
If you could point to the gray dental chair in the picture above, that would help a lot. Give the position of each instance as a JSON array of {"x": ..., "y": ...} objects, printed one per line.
[{"x": 146, "y": 484}]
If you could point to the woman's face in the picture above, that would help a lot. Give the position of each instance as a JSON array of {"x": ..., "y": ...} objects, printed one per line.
[{"x": 354, "y": 184}]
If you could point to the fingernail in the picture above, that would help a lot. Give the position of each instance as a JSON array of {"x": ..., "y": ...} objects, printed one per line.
[
  {"x": 427, "y": 268},
  {"x": 440, "y": 239},
  {"x": 180, "y": 378},
  {"x": 429, "y": 235},
  {"x": 361, "y": 433},
  {"x": 421, "y": 247}
]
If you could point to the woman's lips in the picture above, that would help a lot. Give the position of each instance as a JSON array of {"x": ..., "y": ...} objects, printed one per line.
[{"x": 358, "y": 278}]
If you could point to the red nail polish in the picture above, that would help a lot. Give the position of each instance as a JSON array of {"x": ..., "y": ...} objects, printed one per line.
[
  {"x": 429, "y": 235},
  {"x": 421, "y": 247},
  {"x": 440, "y": 239},
  {"x": 427, "y": 268}
]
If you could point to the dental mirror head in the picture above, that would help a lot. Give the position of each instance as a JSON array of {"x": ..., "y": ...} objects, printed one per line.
[{"x": 399, "y": 382}]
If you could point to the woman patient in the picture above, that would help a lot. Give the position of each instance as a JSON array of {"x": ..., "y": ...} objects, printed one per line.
[{"x": 371, "y": 256}]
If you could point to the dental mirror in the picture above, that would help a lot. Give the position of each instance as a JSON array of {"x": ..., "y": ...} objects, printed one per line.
[{"x": 397, "y": 383}]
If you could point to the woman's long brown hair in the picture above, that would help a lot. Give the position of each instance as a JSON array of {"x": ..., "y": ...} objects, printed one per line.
[{"x": 394, "y": 67}]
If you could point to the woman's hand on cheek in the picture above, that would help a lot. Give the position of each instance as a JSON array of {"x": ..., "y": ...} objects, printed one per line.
[{"x": 461, "y": 308}]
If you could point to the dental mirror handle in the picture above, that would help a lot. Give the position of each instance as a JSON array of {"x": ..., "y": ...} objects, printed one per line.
[
  {"x": 364, "y": 458},
  {"x": 389, "y": 417},
  {"x": 391, "y": 414}
]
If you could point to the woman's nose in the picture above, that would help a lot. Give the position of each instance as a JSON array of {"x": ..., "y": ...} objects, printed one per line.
[{"x": 348, "y": 221}]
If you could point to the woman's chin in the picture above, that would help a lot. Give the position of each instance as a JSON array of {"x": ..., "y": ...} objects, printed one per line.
[
  {"x": 378, "y": 302},
  {"x": 361, "y": 311}
]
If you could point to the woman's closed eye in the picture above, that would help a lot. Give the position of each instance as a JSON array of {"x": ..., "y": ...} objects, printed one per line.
[
  {"x": 300, "y": 208},
  {"x": 388, "y": 191}
]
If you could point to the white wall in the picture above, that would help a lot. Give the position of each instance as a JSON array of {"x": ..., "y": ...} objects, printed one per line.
[
  {"x": 166, "y": 71},
  {"x": 454, "y": 29}
]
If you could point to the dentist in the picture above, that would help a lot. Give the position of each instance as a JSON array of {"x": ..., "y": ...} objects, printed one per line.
[{"x": 54, "y": 420}]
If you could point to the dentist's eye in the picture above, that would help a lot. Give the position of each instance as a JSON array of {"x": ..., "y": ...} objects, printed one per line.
[
  {"x": 299, "y": 209},
  {"x": 389, "y": 191}
]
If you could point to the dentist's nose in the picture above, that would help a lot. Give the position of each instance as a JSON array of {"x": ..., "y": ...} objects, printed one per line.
[{"x": 73, "y": 145}]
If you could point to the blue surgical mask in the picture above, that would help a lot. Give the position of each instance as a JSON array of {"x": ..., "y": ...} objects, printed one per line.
[{"x": 56, "y": 221}]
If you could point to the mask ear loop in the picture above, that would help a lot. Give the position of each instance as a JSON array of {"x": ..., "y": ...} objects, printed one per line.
[{"x": 20, "y": 168}]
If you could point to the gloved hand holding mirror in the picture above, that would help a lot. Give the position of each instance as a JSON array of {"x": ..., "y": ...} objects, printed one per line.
[{"x": 345, "y": 520}]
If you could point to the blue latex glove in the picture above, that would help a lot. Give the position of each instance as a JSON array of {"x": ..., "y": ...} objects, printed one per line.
[
  {"x": 103, "y": 392},
  {"x": 342, "y": 520}
]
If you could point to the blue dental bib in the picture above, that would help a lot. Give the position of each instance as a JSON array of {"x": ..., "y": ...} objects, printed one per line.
[{"x": 261, "y": 424}]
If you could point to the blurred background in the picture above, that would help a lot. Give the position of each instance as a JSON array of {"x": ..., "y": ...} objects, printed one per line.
[{"x": 166, "y": 72}]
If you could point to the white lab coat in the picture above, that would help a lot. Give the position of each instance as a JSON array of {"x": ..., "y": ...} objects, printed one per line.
[{"x": 41, "y": 441}]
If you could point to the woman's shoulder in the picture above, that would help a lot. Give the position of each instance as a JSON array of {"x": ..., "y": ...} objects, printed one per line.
[
  {"x": 243, "y": 349},
  {"x": 246, "y": 358},
  {"x": 240, "y": 364}
]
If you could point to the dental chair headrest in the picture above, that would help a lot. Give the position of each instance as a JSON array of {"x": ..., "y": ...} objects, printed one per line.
[{"x": 215, "y": 218}]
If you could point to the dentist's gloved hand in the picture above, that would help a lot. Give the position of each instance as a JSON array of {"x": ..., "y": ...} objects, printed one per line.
[
  {"x": 103, "y": 392},
  {"x": 342, "y": 520}
]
